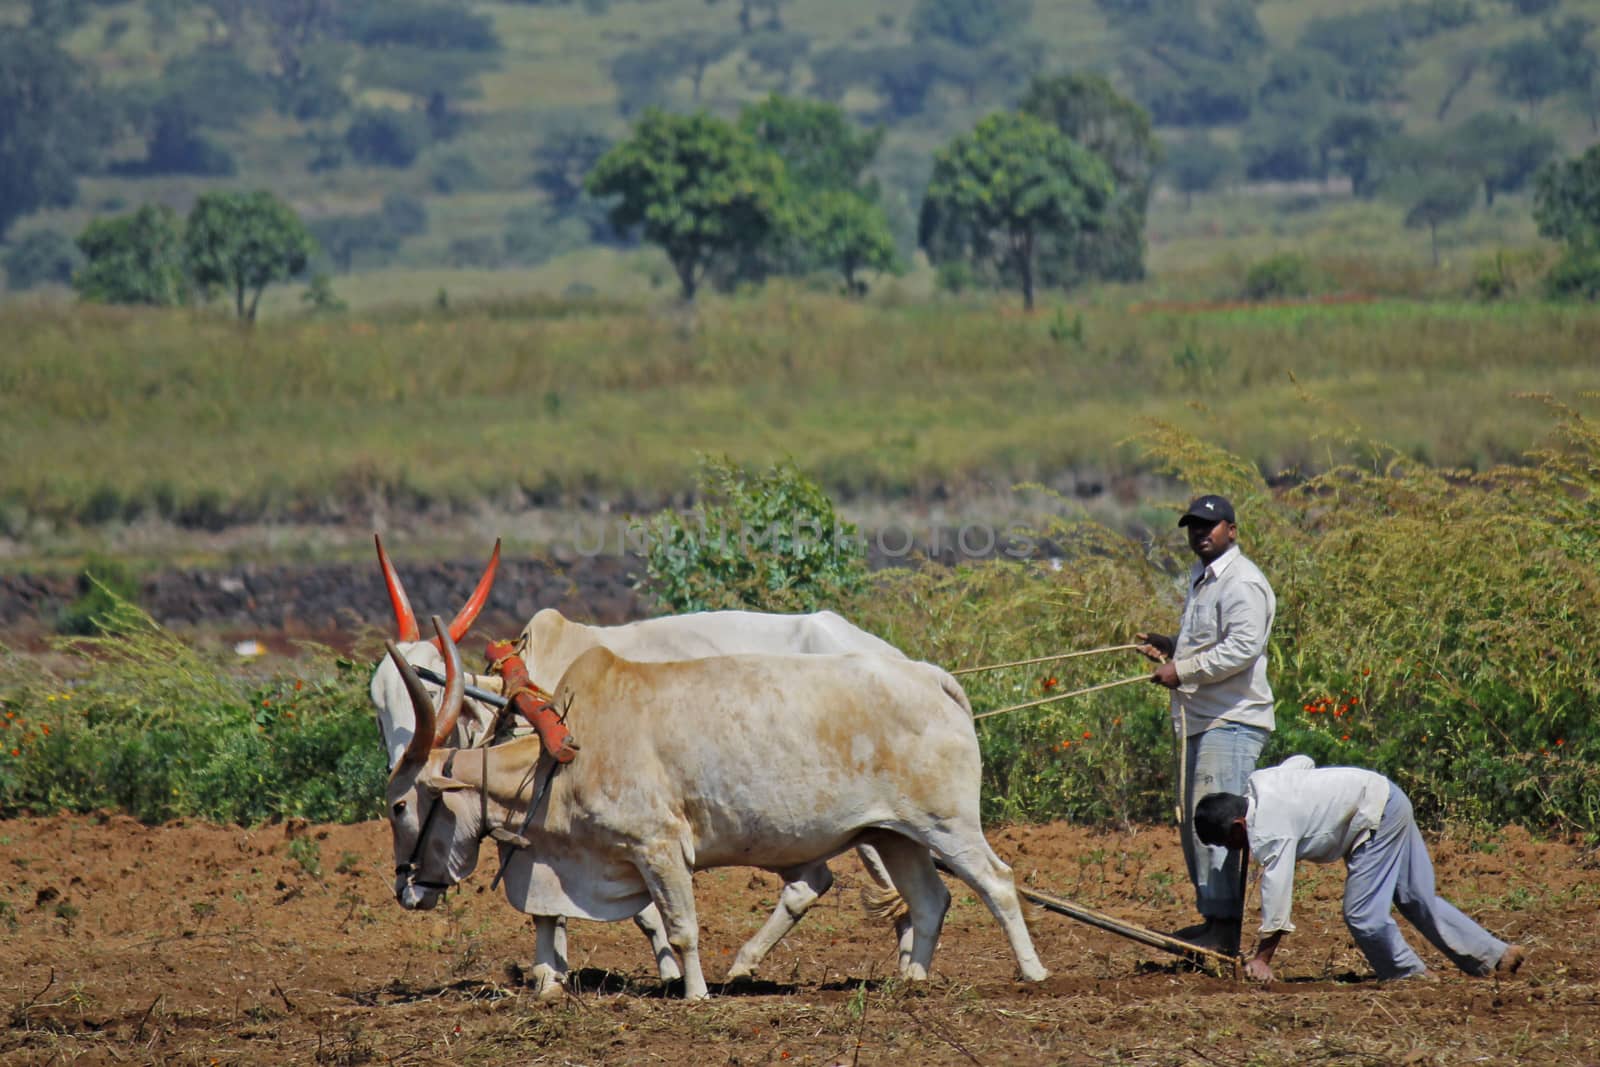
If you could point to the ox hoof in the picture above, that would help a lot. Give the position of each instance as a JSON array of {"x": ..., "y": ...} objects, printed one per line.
[
  {"x": 669, "y": 970},
  {"x": 546, "y": 984},
  {"x": 1035, "y": 972},
  {"x": 914, "y": 972}
]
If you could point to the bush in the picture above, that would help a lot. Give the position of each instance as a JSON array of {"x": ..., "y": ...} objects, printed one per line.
[
  {"x": 385, "y": 137},
  {"x": 1277, "y": 277},
  {"x": 769, "y": 541},
  {"x": 41, "y": 257},
  {"x": 1576, "y": 275},
  {"x": 149, "y": 726}
]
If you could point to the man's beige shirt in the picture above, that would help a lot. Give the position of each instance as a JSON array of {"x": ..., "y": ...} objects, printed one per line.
[{"x": 1221, "y": 648}]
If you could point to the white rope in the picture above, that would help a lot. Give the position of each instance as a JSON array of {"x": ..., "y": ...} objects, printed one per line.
[
  {"x": 1063, "y": 696},
  {"x": 1046, "y": 659}
]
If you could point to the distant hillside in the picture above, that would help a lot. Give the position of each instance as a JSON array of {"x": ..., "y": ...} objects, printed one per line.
[{"x": 453, "y": 122}]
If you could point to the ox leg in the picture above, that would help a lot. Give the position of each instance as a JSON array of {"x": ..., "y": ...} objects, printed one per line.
[
  {"x": 801, "y": 888},
  {"x": 967, "y": 854},
  {"x": 910, "y": 870},
  {"x": 549, "y": 977},
  {"x": 885, "y": 892},
  {"x": 671, "y": 886},
  {"x": 649, "y": 923}
]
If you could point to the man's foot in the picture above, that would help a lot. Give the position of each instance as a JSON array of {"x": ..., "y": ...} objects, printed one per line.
[
  {"x": 1218, "y": 935},
  {"x": 1510, "y": 960},
  {"x": 1422, "y": 976}
]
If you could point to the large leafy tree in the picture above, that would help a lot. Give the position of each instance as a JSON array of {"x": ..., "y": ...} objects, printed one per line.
[
  {"x": 1087, "y": 109},
  {"x": 133, "y": 259},
  {"x": 1011, "y": 184},
  {"x": 695, "y": 185},
  {"x": 51, "y": 126},
  {"x": 819, "y": 145},
  {"x": 243, "y": 242}
]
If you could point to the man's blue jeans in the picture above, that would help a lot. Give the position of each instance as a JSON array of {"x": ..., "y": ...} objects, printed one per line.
[{"x": 1218, "y": 761}]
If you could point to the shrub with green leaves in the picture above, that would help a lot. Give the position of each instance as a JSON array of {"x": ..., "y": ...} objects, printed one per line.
[
  {"x": 147, "y": 725},
  {"x": 771, "y": 541}
]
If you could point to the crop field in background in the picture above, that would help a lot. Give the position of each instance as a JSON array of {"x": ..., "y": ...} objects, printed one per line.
[{"x": 113, "y": 414}]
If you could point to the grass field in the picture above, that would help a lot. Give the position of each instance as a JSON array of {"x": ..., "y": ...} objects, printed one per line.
[{"x": 112, "y": 413}]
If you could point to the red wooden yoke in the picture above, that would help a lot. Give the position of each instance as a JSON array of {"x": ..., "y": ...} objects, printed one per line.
[{"x": 531, "y": 702}]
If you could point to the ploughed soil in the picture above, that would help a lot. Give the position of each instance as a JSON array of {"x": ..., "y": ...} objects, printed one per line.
[{"x": 198, "y": 944}]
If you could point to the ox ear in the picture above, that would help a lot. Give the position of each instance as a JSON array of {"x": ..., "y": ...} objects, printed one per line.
[{"x": 443, "y": 783}]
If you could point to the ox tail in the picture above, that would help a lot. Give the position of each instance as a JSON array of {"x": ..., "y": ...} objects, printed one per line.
[{"x": 884, "y": 903}]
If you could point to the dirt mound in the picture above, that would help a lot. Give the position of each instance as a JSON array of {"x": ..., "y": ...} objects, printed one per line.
[{"x": 196, "y": 944}]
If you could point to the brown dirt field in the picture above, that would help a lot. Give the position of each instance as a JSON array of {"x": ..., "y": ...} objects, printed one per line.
[{"x": 196, "y": 944}]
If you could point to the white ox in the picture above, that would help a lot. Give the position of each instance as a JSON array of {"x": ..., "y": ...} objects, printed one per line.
[
  {"x": 773, "y": 761},
  {"x": 548, "y": 645}
]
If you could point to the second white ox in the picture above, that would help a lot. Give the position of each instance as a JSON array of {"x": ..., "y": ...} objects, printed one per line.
[
  {"x": 548, "y": 645},
  {"x": 776, "y": 762}
]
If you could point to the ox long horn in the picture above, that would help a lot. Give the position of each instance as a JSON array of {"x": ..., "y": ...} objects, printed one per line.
[
  {"x": 480, "y": 596},
  {"x": 455, "y": 685},
  {"x": 422, "y": 737},
  {"x": 405, "y": 621}
]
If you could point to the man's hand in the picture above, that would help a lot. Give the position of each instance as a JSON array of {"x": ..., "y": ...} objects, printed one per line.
[
  {"x": 1257, "y": 969},
  {"x": 1167, "y": 675},
  {"x": 1158, "y": 647}
]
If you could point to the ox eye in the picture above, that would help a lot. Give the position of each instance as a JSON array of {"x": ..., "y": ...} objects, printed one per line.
[{"x": 399, "y": 807}]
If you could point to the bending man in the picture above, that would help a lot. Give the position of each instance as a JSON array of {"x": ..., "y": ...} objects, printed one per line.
[{"x": 1298, "y": 811}]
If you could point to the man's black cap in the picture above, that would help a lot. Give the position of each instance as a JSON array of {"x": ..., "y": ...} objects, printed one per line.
[{"x": 1208, "y": 510}]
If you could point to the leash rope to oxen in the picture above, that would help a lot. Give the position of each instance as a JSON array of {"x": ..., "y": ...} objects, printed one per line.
[
  {"x": 1052, "y": 659},
  {"x": 1046, "y": 659},
  {"x": 1063, "y": 696}
]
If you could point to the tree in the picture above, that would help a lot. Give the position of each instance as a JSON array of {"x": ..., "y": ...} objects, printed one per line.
[
  {"x": 243, "y": 242},
  {"x": 848, "y": 233},
  {"x": 997, "y": 192},
  {"x": 565, "y": 156},
  {"x": 819, "y": 145},
  {"x": 968, "y": 23},
  {"x": 1087, "y": 109},
  {"x": 1566, "y": 201},
  {"x": 697, "y": 186},
  {"x": 133, "y": 259},
  {"x": 1432, "y": 200},
  {"x": 747, "y": 11},
  {"x": 51, "y": 125},
  {"x": 345, "y": 238},
  {"x": 1530, "y": 71},
  {"x": 41, "y": 257},
  {"x": 1197, "y": 164},
  {"x": 1501, "y": 150},
  {"x": 1279, "y": 149},
  {"x": 1369, "y": 49},
  {"x": 1349, "y": 144}
]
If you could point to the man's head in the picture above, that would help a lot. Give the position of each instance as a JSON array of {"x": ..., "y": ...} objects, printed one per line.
[
  {"x": 1219, "y": 820},
  {"x": 1211, "y": 526}
]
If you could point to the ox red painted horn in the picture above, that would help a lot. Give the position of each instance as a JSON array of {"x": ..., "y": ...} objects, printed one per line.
[
  {"x": 405, "y": 620},
  {"x": 480, "y": 596},
  {"x": 455, "y": 686}
]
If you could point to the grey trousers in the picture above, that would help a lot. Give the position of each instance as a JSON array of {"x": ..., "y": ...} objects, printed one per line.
[
  {"x": 1220, "y": 761},
  {"x": 1392, "y": 869}
]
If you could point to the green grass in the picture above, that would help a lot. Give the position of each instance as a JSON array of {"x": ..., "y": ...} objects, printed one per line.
[{"x": 187, "y": 414}]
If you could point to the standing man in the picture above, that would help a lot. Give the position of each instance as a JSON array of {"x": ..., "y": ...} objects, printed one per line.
[
  {"x": 1299, "y": 811},
  {"x": 1221, "y": 703}
]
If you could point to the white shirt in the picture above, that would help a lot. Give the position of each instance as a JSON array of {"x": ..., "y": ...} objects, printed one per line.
[
  {"x": 1300, "y": 811},
  {"x": 1221, "y": 649}
]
